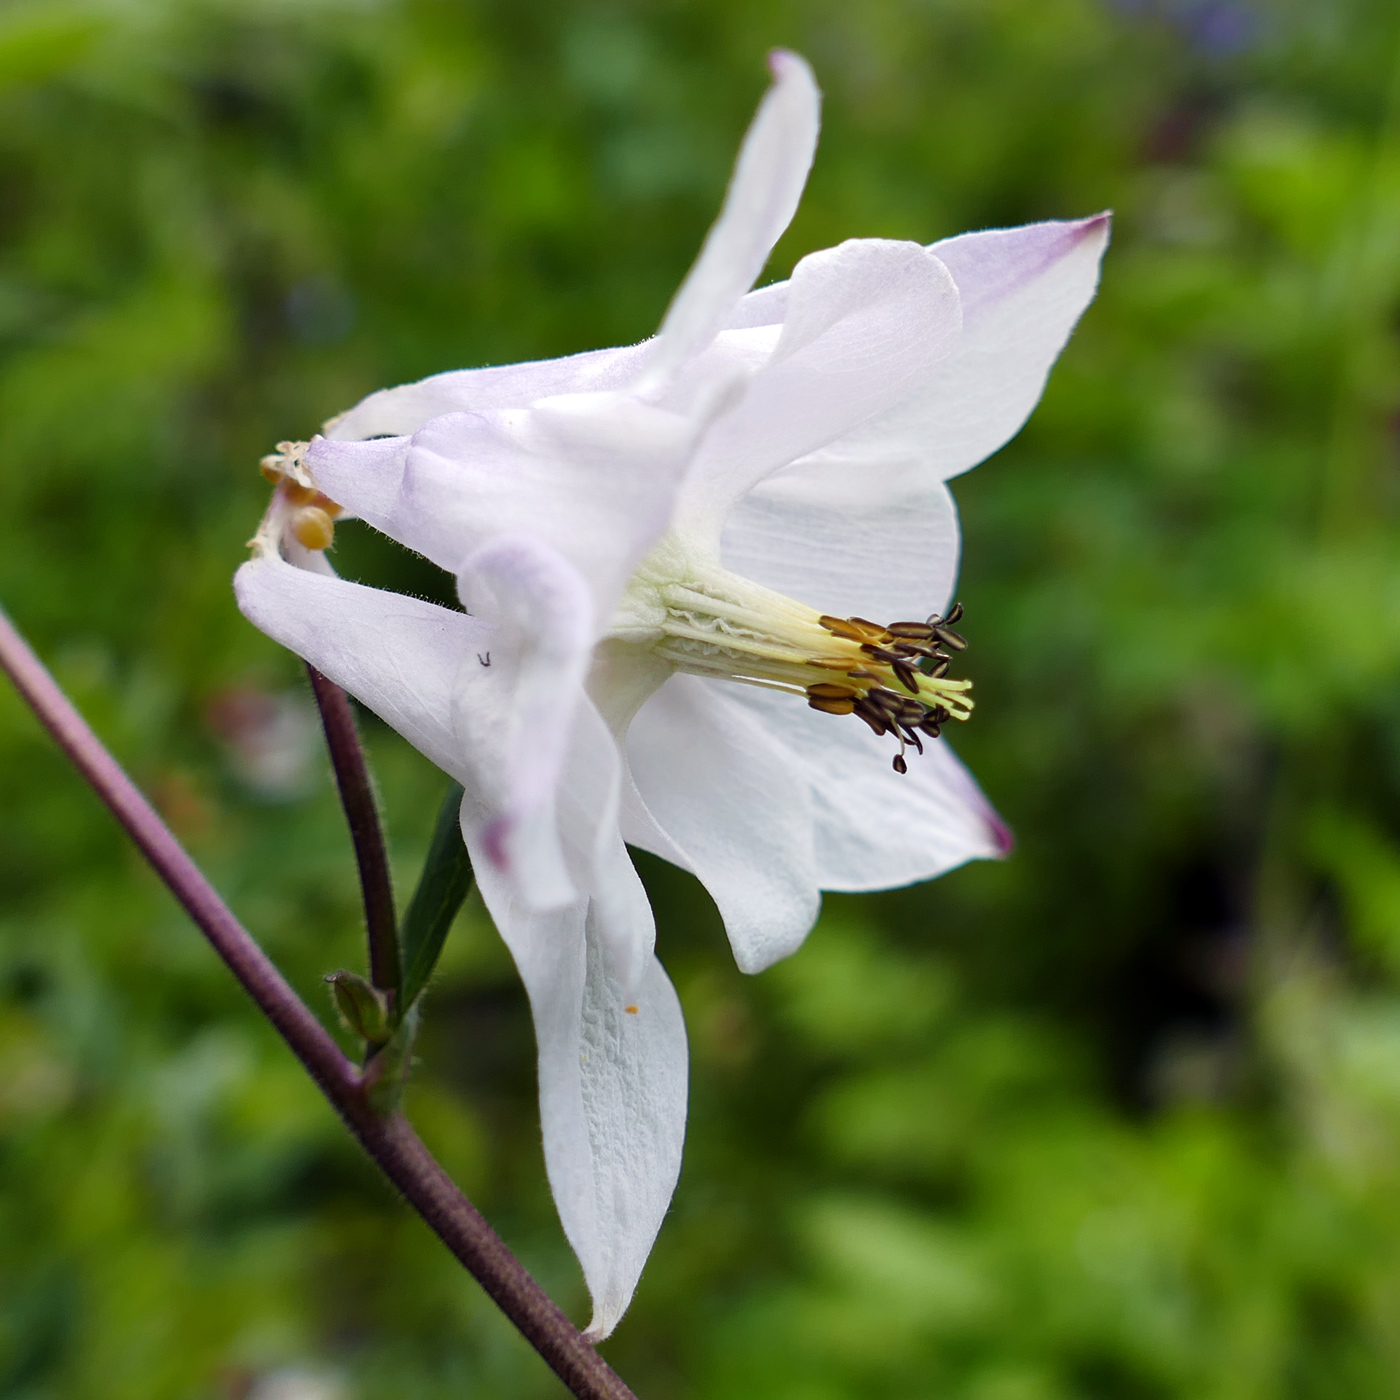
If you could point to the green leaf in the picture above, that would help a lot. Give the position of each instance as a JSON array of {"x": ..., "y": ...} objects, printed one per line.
[
  {"x": 363, "y": 1008},
  {"x": 444, "y": 884}
]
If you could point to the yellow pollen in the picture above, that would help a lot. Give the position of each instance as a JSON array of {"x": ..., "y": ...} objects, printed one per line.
[
  {"x": 630, "y": 1010},
  {"x": 297, "y": 494},
  {"x": 312, "y": 528}
]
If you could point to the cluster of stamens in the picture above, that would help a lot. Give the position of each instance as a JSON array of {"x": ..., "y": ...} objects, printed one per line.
[
  {"x": 714, "y": 623},
  {"x": 917, "y": 656}
]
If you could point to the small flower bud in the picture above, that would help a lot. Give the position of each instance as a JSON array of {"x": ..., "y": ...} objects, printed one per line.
[
  {"x": 313, "y": 528},
  {"x": 362, "y": 1008}
]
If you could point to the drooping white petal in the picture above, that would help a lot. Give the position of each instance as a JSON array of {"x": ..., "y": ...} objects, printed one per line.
[
  {"x": 1022, "y": 291},
  {"x": 401, "y": 411},
  {"x": 876, "y": 544},
  {"x": 764, "y": 191},
  {"x": 723, "y": 792},
  {"x": 593, "y": 475},
  {"x": 866, "y": 323},
  {"x": 877, "y": 829},
  {"x": 513, "y": 711},
  {"x": 613, "y": 1071},
  {"x": 399, "y": 656}
]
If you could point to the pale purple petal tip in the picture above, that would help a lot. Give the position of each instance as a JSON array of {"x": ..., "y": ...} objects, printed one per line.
[{"x": 1003, "y": 838}]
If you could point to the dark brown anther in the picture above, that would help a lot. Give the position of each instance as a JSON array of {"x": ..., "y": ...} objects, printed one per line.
[
  {"x": 913, "y": 738},
  {"x": 899, "y": 765},
  {"x": 949, "y": 638},
  {"x": 828, "y": 690},
  {"x": 914, "y": 631},
  {"x": 832, "y": 705},
  {"x": 941, "y": 714},
  {"x": 935, "y": 666},
  {"x": 906, "y": 675},
  {"x": 931, "y": 727},
  {"x": 954, "y": 614},
  {"x": 911, "y": 712},
  {"x": 873, "y": 718},
  {"x": 886, "y": 700}
]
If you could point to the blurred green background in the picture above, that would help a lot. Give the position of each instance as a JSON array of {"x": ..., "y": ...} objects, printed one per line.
[{"x": 1117, "y": 1119}]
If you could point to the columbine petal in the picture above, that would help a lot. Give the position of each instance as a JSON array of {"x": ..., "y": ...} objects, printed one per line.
[
  {"x": 403, "y": 410},
  {"x": 592, "y": 475},
  {"x": 767, "y": 184},
  {"x": 865, "y": 325},
  {"x": 513, "y": 711},
  {"x": 865, "y": 543},
  {"x": 876, "y": 829},
  {"x": 399, "y": 656},
  {"x": 613, "y": 1069},
  {"x": 719, "y": 787},
  {"x": 1022, "y": 291}
]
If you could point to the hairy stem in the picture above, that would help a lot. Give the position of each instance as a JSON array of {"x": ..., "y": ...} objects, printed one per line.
[
  {"x": 390, "y": 1141},
  {"x": 362, "y": 812}
]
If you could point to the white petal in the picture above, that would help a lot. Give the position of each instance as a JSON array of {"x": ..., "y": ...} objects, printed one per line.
[
  {"x": 403, "y": 410},
  {"x": 593, "y": 476},
  {"x": 875, "y": 828},
  {"x": 764, "y": 192},
  {"x": 877, "y": 544},
  {"x": 727, "y": 797},
  {"x": 865, "y": 325},
  {"x": 612, "y": 1092},
  {"x": 399, "y": 656},
  {"x": 513, "y": 711},
  {"x": 1022, "y": 291}
]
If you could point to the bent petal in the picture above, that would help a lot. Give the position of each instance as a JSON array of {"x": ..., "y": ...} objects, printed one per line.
[
  {"x": 399, "y": 656},
  {"x": 546, "y": 772},
  {"x": 721, "y": 790},
  {"x": 865, "y": 325},
  {"x": 1022, "y": 291},
  {"x": 401, "y": 411},
  {"x": 513, "y": 711},
  {"x": 592, "y": 475},
  {"x": 882, "y": 545},
  {"x": 877, "y": 829},
  {"x": 763, "y": 195},
  {"x": 613, "y": 1072}
]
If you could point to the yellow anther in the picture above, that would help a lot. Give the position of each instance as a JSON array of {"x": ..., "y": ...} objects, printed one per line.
[
  {"x": 854, "y": 629},
  {"x": 312, "y": 528},
  {"x": 327, "y": 505},
  {"x": 832, "y": 705}
]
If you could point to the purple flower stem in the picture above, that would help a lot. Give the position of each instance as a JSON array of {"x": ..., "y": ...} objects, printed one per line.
[
  {"x": 366, "y": 834},
  {"x": 390, "y": 1141}
]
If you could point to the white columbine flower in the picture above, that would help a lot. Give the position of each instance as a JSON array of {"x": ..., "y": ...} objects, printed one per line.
[{"x": 633, "y": 531}]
